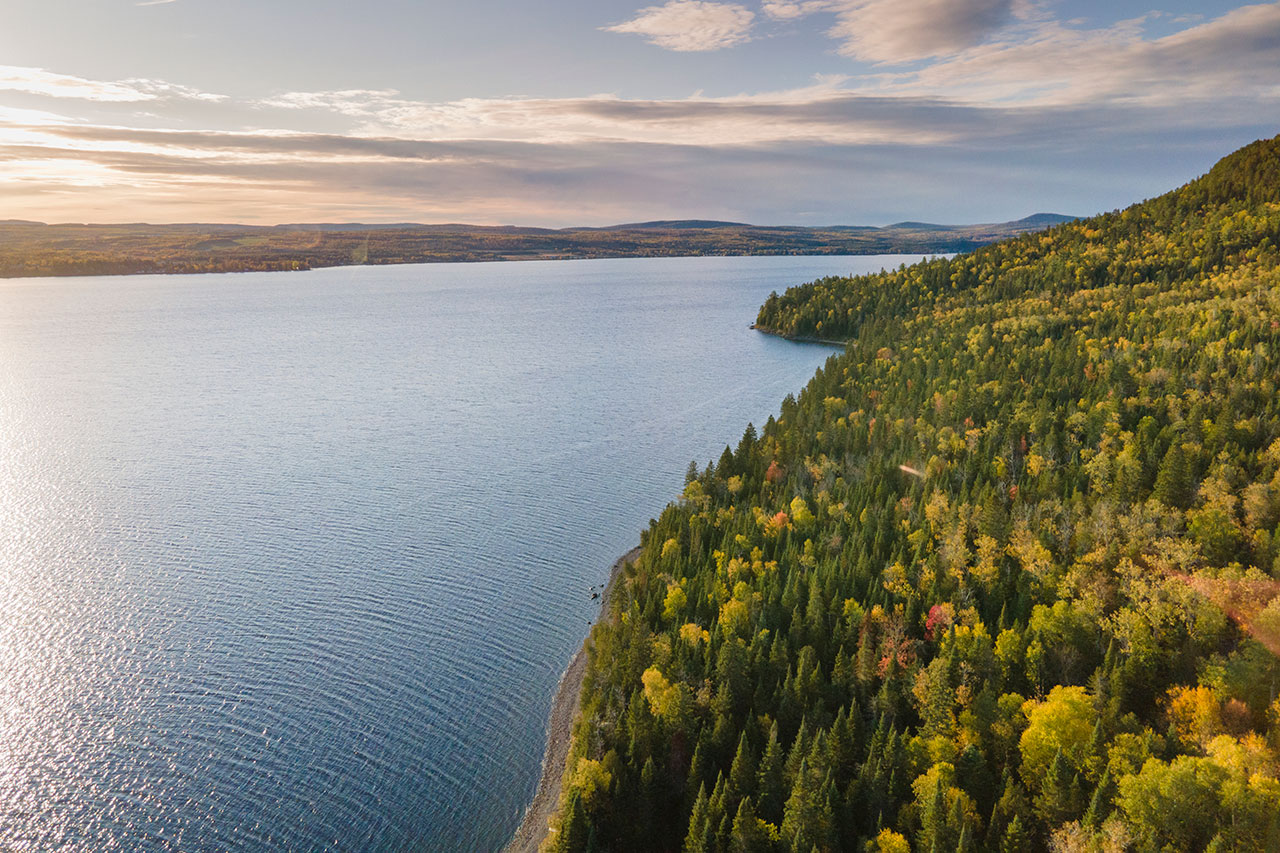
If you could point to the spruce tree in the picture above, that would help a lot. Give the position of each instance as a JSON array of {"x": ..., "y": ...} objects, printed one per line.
[
  {"x": 1100, "y": 803},
  {"x": 695, "y": 840},
  {"x": 1173, "y": 480},
  {"x": 1015, "y": 838},
  {"x": 575, "y": 827},
  {"x": 747, "y": 835},
  {"x": 1059, "y": 799},
  {"x": 770, "y": 787}
]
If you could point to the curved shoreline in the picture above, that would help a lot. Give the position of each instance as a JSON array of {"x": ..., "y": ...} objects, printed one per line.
[{"x": 564, "y": 710}]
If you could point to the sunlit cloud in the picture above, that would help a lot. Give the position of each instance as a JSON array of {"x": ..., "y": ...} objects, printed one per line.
[
  {"x": 37, "y": 81},
  {"x": 352, "y": 102},
  {"x": 691, "y": 25},
  {"x": 323, "y": 179},
  {"x": 1020, "y": 106},
  {"x": 1231, "y": 58},
  {"x": 822, "y": 111},
  {"x": 782, "y": 10},
  {"x": 15, "y": 116}
]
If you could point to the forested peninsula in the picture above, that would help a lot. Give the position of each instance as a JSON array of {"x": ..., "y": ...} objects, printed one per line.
[
  {"x": 38, "y": 249},
  {"x": 1005, "y": 575}
]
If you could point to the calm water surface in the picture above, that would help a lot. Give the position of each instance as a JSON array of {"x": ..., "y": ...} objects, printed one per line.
[{"x": 293, "y": 561}]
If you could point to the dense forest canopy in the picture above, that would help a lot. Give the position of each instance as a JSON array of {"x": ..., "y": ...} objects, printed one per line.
[{"x": 1005, "y": 576}]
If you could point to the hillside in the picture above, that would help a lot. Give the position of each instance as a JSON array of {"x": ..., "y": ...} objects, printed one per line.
[
  {"x": 37, "y": 249},
  {"x": 1003, "y": 577}
]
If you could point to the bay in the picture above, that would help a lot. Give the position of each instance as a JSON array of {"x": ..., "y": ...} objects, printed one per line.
[{"x": 293, "y": 561}]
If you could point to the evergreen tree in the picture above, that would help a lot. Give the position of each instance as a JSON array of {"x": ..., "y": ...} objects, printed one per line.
[
  {"x": 575, "y": 827},
  {"x": 743, "y": 770},
  {"x": 770, "y": 785},
  {"x": 1173, "y": 480},
  {"x": 696, "y": 840},
  {"x": 1059, "y": 799},
  {"x": 1100, "y": 803},
  {"x": 748, "y": 835},
  {"x": 1015, "y": 839}
]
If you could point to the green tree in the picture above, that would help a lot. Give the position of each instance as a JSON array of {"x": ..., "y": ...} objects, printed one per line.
[{"x": 1173, "y": 480}]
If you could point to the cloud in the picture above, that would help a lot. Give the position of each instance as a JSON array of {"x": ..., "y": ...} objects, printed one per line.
[
  {"x": 351, "y": 102},
  {"x": 822, "y": 111},
  {"x": 899, "y": 31},
  {"x": 15, "y": 116},
  {"x": 1052, "y": 159},
  {"x": 1230, "y": 59},
  {"x": 783, "y": 10},
  {"x": 37, "y": 81},
  {"x": 902, "y": 31},
  {"x": 691, "y": 25},
  {"x": 1038, "y": 114}
]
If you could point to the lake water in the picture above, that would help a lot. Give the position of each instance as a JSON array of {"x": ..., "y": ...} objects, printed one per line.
[{"x": 293, "y": 561}]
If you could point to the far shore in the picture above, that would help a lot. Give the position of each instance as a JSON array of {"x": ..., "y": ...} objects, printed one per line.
[
  {"x": 564, "y": 710},
  {"x": 34, "y": 249}
]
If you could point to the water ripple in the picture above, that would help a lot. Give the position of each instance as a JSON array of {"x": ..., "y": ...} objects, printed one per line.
[{"x": 294, "y": 561}]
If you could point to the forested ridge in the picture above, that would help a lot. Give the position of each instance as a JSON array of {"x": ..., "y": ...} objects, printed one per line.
[{"x": 1002, "y": 577}]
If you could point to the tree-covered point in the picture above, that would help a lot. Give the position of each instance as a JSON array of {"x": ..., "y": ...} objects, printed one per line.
[
  {"x": 1003, "y": 577},
  {"x": 1225, "y": 220}
]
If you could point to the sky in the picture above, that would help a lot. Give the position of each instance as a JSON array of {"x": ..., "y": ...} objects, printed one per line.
[{"x": 595, "y": 112}]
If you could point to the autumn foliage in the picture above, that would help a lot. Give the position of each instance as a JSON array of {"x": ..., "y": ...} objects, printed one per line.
[{"x": 1058, "y": 631}]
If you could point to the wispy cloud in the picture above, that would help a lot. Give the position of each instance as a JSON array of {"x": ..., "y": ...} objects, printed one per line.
[
  {"x": 37, "y": 81},
  {"x": 821, "y": 111},
  {"x": 691, "y": 25},
  {"x": 1232, "y": 58},
  {"x": 350, "y": 102}
]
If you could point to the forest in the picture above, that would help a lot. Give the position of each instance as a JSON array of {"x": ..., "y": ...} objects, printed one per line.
[
  {"x": 1004, "y": 576},
  {"x": 38, "y": 249}
]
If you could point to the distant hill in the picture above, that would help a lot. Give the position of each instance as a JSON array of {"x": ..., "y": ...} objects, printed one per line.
[
  {"x": 670, "y": 225},
  {"x": 1043, "y": 220},
  {"x": 37, "y": 249}
]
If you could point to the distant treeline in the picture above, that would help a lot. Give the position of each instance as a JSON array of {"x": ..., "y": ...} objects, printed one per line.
[
  {"x": 1004, "y": 577},
  {"x": 37, "y": 249}
]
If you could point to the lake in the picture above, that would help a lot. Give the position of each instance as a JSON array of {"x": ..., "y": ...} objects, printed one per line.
[{"x": 294, "y": 561}]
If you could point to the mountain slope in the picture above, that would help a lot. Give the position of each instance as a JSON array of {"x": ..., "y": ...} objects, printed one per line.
[{"x": 1002, "y": 577}]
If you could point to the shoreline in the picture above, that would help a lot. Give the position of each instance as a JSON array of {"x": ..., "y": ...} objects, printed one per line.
[
  {"x": 800, "y": 339},
  {"x": 504, "y": 259},
  {"x": 533, "y": 827}
]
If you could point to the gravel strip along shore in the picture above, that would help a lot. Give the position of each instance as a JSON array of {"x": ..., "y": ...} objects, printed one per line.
[{"x": 564, "y": 709}]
